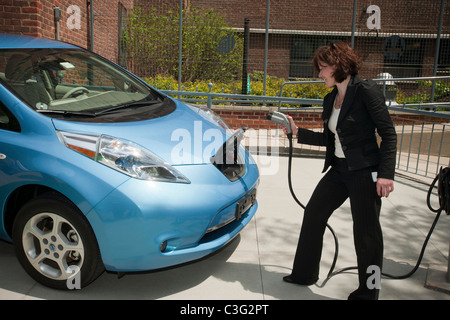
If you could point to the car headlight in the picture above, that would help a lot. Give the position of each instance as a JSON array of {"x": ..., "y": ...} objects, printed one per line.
[{"x": 122, "y": 155}]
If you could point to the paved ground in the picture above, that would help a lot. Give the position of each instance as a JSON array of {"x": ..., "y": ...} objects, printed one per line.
[{"x": 252, "y": 266}]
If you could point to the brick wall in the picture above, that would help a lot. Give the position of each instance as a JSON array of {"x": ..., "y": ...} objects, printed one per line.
[
  {"x": 412, "y": 15},
  {"x": 20, "y": 17},
  {"x": 106, "y": 26},
  {"x": 255, "y": 117},
  {"x": 36, "y": 18},
  {"x": 78, "y": 35}
]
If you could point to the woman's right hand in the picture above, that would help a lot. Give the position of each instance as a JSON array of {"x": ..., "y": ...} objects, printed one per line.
[{"x": 294, "y": 128}]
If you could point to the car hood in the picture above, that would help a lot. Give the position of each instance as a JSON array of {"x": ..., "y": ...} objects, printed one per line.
[{"x": 181, "y": 137}]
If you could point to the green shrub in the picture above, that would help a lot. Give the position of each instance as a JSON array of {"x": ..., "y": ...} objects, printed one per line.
[
  {"x": 273, "y": 86},
  {"x": 150, "y": 41}
]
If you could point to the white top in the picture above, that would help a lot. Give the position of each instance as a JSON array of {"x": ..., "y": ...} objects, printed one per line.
[{"x": 332, "y": 123}]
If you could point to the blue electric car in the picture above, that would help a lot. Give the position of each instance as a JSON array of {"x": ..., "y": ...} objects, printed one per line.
[{"x": 98, "y": 170}]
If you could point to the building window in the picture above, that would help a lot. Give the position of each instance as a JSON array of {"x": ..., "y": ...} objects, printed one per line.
[
  {"x": 403, "y": 57},
  {"x": 444, "y": 58},
  {"x": 302, "y": 51}
]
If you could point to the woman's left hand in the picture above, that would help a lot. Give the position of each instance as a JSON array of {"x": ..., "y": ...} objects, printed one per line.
[{"x": 384, "y": 187}]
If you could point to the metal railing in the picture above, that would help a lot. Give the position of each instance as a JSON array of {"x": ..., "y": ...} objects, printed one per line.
[
  {"x": 210, "y": 98},
  {"x": 423, "y": 146}
]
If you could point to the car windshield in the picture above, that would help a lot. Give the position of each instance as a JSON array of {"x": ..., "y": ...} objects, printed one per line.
[{"x": 72, "y": 81}]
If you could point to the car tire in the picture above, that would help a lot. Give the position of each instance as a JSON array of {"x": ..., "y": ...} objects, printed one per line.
[{"x": 55, "y": 243}]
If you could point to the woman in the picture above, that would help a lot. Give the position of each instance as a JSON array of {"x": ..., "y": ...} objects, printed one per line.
[{"x": 361, "y": 170}]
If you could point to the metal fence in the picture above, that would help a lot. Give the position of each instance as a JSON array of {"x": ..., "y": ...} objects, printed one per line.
[
  {"x": 246, "y": 44},
  {"x": 297, "y": 96},
  {"x": 423, "y": 146}
]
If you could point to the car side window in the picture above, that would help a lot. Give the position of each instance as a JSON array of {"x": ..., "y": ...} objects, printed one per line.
[{"x": 7, "y": 119}]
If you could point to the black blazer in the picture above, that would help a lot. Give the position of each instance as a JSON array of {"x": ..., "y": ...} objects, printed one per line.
[{"x": 363, "y": 113}]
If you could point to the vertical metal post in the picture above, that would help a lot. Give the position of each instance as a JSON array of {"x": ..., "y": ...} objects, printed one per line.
[
  {"x": 91, "y": 10},
  {"x": 266, "y": 46},
  {"x": 180, "y": 44},
  {"x": 355, "y": 3},
  {"x": 209, "y": 103},
  {"x": 245, "y": 55},
  {"x": 57, "y": 18},
  {"x": 436, "y": 56}
]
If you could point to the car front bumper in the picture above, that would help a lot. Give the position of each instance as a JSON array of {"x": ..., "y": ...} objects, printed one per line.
[{"x": 145, "y": 225}]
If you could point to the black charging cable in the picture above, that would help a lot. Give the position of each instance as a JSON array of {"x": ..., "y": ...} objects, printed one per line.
[{"x": 443, "y": 193}]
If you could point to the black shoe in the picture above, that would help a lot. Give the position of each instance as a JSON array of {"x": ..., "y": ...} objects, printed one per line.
[
  {"x": 289, "y": 279},
  {"x": 364, "y": 294}
]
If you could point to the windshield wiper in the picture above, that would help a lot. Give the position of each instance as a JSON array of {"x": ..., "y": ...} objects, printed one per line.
[
  {"x": 129, "y": 105},
  {"x": 67, "y": 112}
]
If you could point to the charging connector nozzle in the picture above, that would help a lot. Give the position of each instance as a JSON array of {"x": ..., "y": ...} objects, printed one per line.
[{"x": 281, "y": 119}]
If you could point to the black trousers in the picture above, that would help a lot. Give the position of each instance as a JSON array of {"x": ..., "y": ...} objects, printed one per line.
[{"x": 335, "y": 187}]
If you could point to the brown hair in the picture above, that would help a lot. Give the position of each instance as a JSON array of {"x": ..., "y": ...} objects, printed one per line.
[{"x": 339, "y": 55}]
